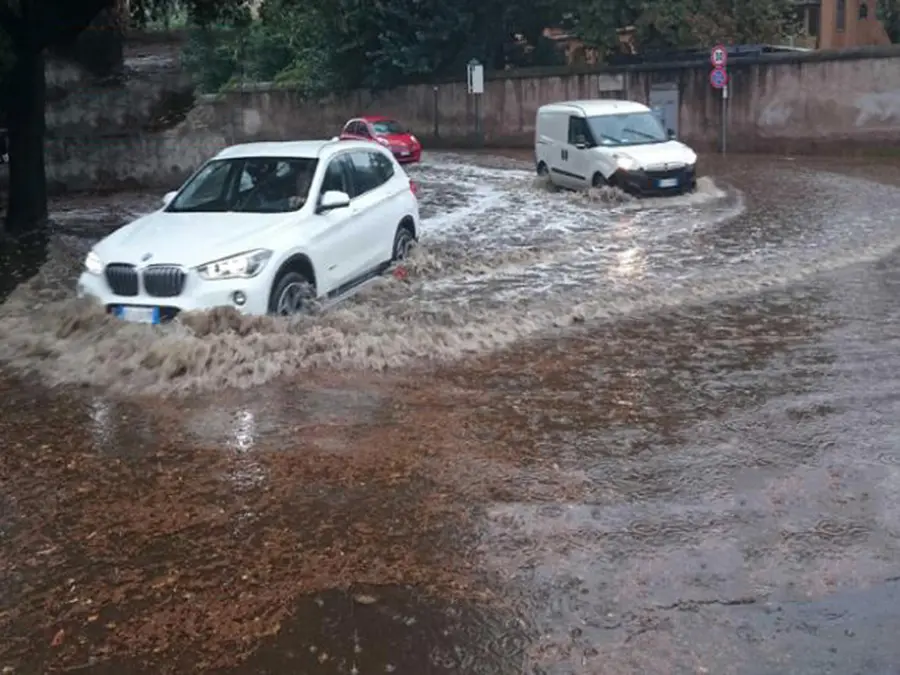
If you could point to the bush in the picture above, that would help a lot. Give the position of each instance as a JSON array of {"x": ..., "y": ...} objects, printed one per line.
[
  {"x": 285, "y": 45},
  {"x": 211, "y": 56}
]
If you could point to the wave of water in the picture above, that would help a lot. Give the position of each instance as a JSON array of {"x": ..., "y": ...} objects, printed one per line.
[{"x": 503, "y": 258}]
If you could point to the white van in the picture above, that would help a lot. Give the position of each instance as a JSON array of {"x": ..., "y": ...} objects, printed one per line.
[{"x": 582, "y": 144}]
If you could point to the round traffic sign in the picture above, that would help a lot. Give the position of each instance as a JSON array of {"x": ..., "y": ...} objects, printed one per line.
[
  {"x": 718, "y": 78},
  {"x": 718, "y": 56}
]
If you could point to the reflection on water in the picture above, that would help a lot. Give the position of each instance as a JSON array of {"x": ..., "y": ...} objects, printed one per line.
[
  {"x": 630, "y": 264},
  {"x": 244, "y": 431},
  {"x": 101, "y": 425},
  {"x": 246, "y": 473}
]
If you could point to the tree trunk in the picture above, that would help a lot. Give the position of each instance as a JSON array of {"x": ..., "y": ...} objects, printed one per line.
[
  {"x": 24, "y": 248},
  {"x": 27, "y": 210}
]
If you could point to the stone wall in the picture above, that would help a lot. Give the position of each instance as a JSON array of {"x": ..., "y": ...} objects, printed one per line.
[{"x": 141, "y": 129}]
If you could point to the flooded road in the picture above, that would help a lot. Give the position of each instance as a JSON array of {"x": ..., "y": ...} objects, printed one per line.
[{"x": 586, "y": 434}]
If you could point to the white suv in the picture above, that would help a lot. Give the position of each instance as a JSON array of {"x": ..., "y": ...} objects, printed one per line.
[{"x": 263, "y": 228}]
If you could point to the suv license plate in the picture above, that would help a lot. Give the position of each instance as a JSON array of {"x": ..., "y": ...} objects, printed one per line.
[{"x": 138, "y": 314}]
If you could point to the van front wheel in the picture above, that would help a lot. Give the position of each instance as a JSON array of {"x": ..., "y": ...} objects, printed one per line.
[{"x": 542, "y": 170}]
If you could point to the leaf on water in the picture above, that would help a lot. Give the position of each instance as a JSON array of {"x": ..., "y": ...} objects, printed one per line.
[
  {"x": 363, "y": 599},
  {"x": 58, "y": 638}
]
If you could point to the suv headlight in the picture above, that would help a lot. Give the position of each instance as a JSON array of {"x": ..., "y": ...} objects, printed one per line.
[
  {"x": 93, "y": 264},
  {"x": 627, "y": 163},
  {"x": 240, "y": 266}
]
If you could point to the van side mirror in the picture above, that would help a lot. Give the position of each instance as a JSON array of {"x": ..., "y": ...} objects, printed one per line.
[
  {"x": 672, "y": 134},
  {"x": 167, "y": 199}
]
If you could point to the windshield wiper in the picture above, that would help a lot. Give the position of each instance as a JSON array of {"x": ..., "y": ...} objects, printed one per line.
[{"x": 641, "y": 133}]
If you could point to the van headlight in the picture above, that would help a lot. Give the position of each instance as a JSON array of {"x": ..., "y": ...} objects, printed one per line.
[
  {"x": 93, "y": 264},
  {"x": 627, "y": 163},
  {"x": 240, "y": 266}
]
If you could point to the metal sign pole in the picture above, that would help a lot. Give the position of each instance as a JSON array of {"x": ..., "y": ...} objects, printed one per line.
[
  {"x": 437, "y": 125},
  {"x": 476, "y": 88},
  {"x": 724, "y": 118},
  {"x": 478, "y": 117},
  {"x": 718, "y": 78}
]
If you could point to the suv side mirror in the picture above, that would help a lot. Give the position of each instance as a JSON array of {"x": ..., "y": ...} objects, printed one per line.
[
  {"x": 672, "y": 134},
  {"x": 333, "y": 199},
  {"x": 169, "y": 196}
]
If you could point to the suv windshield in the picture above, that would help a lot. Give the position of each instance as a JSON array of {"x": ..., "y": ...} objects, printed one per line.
[
  {"x": 247, "y": 185},
  {"x": 388, "y": 127},
  {"x": 627, "y": 129}
]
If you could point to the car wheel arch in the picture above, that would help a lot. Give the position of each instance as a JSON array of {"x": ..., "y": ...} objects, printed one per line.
[
  {"x": 300, "y": 263},
  {"x": 409, "y": 223}
]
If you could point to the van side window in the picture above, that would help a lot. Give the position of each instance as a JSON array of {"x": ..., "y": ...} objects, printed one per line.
[{"x": 578, "y": 131}]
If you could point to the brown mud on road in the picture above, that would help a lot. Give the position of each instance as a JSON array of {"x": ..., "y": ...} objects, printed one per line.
[{"x": 666, "y": 444}]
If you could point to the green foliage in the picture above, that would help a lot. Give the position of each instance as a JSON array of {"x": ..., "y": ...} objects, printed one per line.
[
  {"x": 157, "y": 15},
  {"x": 684, "y": 24},
  {"x": 285, "y": 45},
  {"x": 211, "y": 56},
  {"x": 323, "y": 45},
  {"x": 888, "y": 11}
]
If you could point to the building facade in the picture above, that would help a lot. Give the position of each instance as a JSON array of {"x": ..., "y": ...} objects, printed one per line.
[{"x": 839, "y": 24}]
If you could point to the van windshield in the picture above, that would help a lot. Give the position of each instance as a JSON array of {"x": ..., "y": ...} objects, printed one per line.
[{"x": 639, "y": 128}]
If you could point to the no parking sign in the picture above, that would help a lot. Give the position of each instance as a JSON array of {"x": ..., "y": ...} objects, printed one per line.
[{"x": 718, "y": 78}]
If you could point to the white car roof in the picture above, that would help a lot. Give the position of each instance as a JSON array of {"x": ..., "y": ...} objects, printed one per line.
[
  {"x": 297, "y": 149},
  {"x": 592, "y": 107}
]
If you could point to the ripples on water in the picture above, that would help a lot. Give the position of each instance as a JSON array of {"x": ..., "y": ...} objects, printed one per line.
[{"x": 502, "y": 259}]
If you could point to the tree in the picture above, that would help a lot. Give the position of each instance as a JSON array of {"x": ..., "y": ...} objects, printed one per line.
[
  {"x": 888, "y": 12},
  {"x": 393, "y": 41},
  {"x": 684, "y": 24},
  {"x": 30, "y": 28}
]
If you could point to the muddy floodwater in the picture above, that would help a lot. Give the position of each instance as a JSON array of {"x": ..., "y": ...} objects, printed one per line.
[{"x": 582, "y": 434}]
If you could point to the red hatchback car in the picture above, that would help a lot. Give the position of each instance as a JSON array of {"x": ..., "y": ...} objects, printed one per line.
[{"x": 389, "y": 133}]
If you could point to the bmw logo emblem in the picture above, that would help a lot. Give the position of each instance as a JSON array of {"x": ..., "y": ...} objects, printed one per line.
[{"x": 146, "y": 257}]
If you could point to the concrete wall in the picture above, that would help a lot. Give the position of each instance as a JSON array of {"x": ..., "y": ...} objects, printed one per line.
[
  {"x": 114, "y": 136},
  {"x": 840, "y": 102}
]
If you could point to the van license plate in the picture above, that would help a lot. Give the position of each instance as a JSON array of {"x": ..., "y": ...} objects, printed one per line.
[
  {"x": 668, "y": 183},
  {"x": 138, "y": 314}
]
